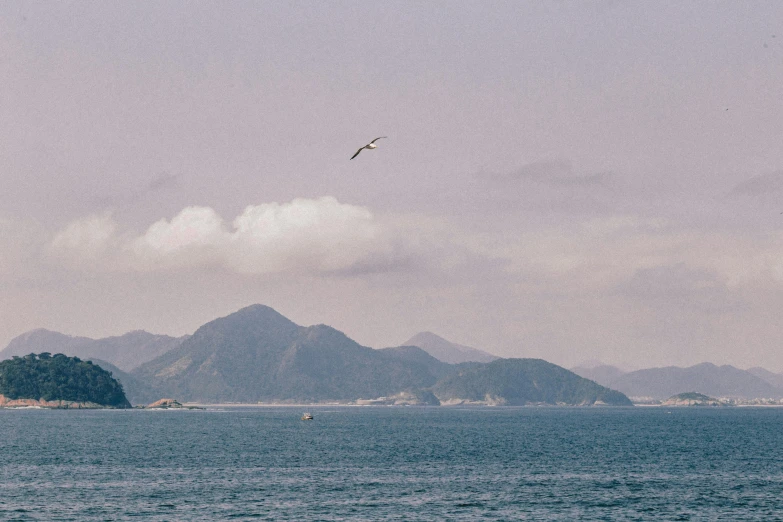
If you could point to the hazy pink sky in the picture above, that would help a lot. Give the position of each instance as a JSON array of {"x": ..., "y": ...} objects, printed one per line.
[{"x": 562, "y": 180}]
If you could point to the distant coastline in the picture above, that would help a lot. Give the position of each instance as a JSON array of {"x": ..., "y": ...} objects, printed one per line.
[
  {"x": 257, "y": 354},
  {"x": 355, "y": 405},
  {"x": 447, "y": 406},
  {"x": 6, "y": 403}
]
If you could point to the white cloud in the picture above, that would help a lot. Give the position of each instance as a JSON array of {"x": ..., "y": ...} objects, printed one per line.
[
  {"x": 196, "y": 236},
  {"x": 87, "y": 239},
  {"x": 305, "y": 235},
  {"x": 321, "y": 235},
  {"x": 598, "y": 253}
]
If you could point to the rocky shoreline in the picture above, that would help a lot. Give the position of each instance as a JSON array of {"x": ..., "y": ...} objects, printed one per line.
[
  {"x": 168, "y": 404},
  {"x": 162, "y": 404},
  {"x": 5, "y": 402}
]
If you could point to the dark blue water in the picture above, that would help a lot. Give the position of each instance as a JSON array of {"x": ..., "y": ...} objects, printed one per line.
[{"x": 393, "y": 463}]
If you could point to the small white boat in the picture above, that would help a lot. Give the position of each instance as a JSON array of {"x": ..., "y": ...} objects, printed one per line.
[{"x": 307, "y": 416}]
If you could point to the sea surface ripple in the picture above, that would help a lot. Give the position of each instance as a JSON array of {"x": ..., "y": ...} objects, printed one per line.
[{"x": 392, "y": 463}]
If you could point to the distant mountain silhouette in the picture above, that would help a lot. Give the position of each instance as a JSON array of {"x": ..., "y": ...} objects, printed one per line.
[
  {"x": 42, "y": 340},
  {"x": 447, "y": 351},
  {"x": 256, "y": 354},
  {"x": 602, "y": 373},
  {"x": 705, "y": 378},
  {"x": 137, "y": 391},
  {"x": 775, "y": 379},
  {"x": 416, "y": 355},
  {"x": 125, "y": 351},
  {"x": 524, "y": 381}
]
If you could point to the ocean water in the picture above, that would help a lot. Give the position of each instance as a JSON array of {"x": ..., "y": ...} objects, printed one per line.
[{"x": 393, "y": 464}]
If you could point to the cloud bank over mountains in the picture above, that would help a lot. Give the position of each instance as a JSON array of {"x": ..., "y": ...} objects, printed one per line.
[
  {"x": 305, "y": 235},
  {"x": 624, "y": 285}
]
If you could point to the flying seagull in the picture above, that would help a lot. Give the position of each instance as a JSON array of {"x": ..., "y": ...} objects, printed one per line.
[{"x": 369, "y": 146}]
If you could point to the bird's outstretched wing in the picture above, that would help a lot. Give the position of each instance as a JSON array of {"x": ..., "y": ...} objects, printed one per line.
[
  {"x": 357, "y": 153},
  {"x": 376, "y": 139}
]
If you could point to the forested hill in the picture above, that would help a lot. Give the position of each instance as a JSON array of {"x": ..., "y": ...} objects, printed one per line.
[
  {"x": 59, "y": 378},
  {"x": 256, "y": 354},
  {"x": 525, "y": 381}
]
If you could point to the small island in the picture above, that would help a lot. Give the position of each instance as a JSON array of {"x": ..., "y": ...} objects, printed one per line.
[
  {"x": 693, "y": 399},
  {"x": 169, "y": 404},
  {"x": 58, "y": 381}
]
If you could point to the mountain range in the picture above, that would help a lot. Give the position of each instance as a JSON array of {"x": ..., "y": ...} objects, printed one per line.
[
  {"x": 447, "y": 351},
  {"x": 256, "y": 354},
  {"x": 705, "y": 378},
  {"x": 126, "y": 351},
  {"x": 775, "y": 379}
]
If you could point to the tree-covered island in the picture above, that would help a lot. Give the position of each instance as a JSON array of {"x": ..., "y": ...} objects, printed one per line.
[{"x": 58, "y": 381}]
